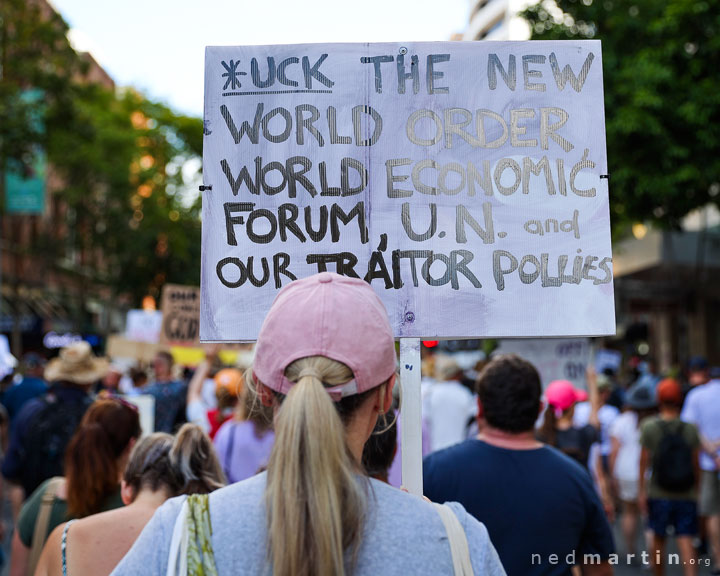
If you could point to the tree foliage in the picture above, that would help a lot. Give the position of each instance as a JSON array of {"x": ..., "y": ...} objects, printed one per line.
[
  {"x": 662, "y": 104},
  {"x": 129, "y": 219}
]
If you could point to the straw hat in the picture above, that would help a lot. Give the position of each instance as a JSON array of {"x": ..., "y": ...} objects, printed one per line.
[{"x": 76, "y": 364}]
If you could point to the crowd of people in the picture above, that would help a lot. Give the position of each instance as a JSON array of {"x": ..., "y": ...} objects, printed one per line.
[{"x": 293, "y": 460}]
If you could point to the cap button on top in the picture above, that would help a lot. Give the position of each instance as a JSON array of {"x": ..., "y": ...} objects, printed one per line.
[{"x": 325, "y": 277}]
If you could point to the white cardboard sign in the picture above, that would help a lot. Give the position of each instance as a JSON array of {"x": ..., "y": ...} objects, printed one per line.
[
  {"x": 143, "y": 325},
  {"x": 554, "y": 358},
  {"x": 466, "y": 181}
]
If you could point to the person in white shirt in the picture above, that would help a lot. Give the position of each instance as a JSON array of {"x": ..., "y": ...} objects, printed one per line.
[
  {"x": 640, "y": 402},
  {"x": 606, "y": 416},
  {"x": 448, "y": 405},
  {"x": 702, "y": 408}
]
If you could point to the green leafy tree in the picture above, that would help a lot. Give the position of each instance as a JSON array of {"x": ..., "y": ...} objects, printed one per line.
[
  {"x": 124, "y": 165},
  {"x": 34, "y": 54},
  {"x": 662, "y": 104},
  {"x": 124, "y": 214}
]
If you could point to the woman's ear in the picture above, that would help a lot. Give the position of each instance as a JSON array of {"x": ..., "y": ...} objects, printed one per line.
[
  {"x": 126, "y": 493},
  {"x": 265, "y": 395},
  {"x": 386, "y": 396}
]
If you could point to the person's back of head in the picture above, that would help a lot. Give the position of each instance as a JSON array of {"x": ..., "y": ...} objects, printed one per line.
[
  {"x": 181, "y": 464},
  {"x": 642, "y": 400},
  {"x": 228, "y": 387},
  {"x": 381, "y": 447},
  {"x": 33, "y": 365},
  {"x": 193, "y": 457},
  {"x": 509, "y": 392},
  {"x": 698, "y": 371},
  {"x": 669, "y": 395},
  {"x": 163, "y": 366},
  {"x": 149, "y": 468},
  {"x": 324, "y": 353},
  {"x": 76, "y": 365},
  {"x": 446, "y": 368},
  {"x": 97, "y": 452},
  {"x": 139, "y": 377},
  {"x": 605, "y": 387}
]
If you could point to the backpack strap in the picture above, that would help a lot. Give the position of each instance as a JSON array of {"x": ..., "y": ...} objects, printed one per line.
[
  {"x": 462, "y": 566},
  {"x": 42, "y": 522}
]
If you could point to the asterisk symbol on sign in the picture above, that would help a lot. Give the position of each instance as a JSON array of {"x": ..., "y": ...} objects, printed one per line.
[{"x": 232, "y": 74}]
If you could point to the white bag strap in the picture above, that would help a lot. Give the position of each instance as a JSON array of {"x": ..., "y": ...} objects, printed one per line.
[
  {"x": 462, "y": 566},
  {"x": 179, "y": 545}
]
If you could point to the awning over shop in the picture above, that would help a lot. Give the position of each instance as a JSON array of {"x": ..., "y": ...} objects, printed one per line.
[{"x": 676, "y": 260}]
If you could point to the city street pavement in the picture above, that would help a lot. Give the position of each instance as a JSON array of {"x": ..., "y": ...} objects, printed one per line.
[{"x": 623, "y": 569}]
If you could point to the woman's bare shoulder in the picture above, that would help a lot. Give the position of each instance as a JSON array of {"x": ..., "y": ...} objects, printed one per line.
[
  {"x": 96, "y": 544},
  {"x": 50, "y": 563}
]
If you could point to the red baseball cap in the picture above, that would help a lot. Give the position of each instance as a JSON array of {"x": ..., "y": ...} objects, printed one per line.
[
  {"x": 328, "y": 315},
  {"x": 561, "y": 394},
  {"x": 669, "y": 391}
]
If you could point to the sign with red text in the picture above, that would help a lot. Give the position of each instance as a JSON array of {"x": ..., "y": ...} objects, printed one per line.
[{"x": 465, "y": 181}]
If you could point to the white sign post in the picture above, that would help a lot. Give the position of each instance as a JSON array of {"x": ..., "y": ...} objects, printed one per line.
[
  {"x": 411, "y": 415},
  {"x": 466, "y": 182}
]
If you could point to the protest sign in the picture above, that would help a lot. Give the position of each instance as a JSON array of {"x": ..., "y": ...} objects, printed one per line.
[
  {"x": 467, "y": 182},
  {"x": 180, "y": 308},
  {"x": 146, "y": 407},
  {"x": 608, "y": 360},
  {"x": 143, "y": 325},
  {"x": 554, "y": 358},
  {"x": 120, "y": 347}
]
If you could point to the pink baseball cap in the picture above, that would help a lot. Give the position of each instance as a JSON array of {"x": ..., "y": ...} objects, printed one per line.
[
  {"x": 328, "y": 315},
  {"x": 561, "y": 394}
]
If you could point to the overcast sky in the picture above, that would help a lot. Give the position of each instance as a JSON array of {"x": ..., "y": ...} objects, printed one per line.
[{"x": 158, "y": 45}]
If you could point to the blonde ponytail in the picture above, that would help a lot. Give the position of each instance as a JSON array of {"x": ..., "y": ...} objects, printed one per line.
[{"x": 315, "y": 499}]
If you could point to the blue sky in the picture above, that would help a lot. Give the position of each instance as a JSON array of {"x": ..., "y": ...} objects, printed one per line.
[{"x": 158, "y": 45}]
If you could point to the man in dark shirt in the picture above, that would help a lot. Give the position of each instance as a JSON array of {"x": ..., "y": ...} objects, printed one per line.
[
  {"x": 45, "y": 424},
  {"x": 30, "y": 386},
  {"x": 539, "y": 506}
]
